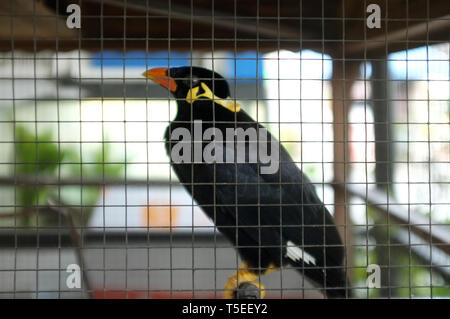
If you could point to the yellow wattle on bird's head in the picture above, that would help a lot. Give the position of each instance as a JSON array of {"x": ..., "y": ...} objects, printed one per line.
[{"x": 227, "y": 103}]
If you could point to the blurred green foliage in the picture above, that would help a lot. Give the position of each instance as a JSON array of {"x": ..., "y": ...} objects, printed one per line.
[
  {"x": 39, "y": 156},
  {"x": 408, "y": 275}
]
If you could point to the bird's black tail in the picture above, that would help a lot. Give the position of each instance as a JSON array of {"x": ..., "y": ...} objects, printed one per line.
[
  {"x": 338, "y": 285},
  {"x": 335, "y": 285}
]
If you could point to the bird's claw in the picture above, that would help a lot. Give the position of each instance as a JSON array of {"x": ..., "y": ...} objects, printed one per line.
[
  {"x": 250, "y": 290},
  {"x": 244, "y": 285}
]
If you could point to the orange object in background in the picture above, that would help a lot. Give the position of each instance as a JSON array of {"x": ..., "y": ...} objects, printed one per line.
[{"x": 160, "y": 217}]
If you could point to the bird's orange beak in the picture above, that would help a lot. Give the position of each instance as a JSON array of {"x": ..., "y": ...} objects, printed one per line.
[{"x": 159, "y": 75}]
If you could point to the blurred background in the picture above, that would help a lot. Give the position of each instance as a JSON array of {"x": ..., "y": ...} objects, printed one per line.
[{"x": 85, "y": 179}]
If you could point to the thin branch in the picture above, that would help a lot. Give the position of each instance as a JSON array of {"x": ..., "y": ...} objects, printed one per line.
[{"x": 76, "y": 239}]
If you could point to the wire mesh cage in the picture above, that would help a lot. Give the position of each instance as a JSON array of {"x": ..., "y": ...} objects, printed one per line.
[{"x": 349, "y": 200}]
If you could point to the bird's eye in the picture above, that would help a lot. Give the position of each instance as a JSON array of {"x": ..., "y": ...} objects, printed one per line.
[
  {"x": 195, "y": 81},
  {"x": 192, "y": 82}
]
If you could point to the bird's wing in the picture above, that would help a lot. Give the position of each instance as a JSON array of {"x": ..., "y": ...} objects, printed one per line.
[{"x": 245, "y": 196}]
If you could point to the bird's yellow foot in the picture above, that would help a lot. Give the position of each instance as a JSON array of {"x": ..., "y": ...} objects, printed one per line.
[{"x": 239, "y": 278}]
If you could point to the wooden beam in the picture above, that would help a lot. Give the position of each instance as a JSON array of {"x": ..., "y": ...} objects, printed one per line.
[
  {"x": 396, "y": 40},
  {"x": 224, "y": 19},
  {"x": 382, "y": 123},
  {"x": 343, "y": 75},
  {"x": 31, "y": 20}
]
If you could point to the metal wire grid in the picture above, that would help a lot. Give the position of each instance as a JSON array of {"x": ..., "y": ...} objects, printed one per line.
[{"x": 170, "y": 241}]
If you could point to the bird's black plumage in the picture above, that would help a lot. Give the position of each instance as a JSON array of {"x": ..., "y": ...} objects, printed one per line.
[{"x": 258, "y": 213}]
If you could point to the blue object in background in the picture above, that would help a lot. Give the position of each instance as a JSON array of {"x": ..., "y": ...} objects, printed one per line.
[
  {"x": 419, "y": 64},
  {"x": 246, "y": 64},
  {"x": 139, "y": 59}
]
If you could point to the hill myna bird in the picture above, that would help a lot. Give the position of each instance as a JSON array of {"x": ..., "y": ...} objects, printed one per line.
[{"x": 273, "y": 219}]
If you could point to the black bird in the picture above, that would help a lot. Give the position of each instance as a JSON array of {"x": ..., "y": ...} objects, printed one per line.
[{"x": 272, "y": 219}]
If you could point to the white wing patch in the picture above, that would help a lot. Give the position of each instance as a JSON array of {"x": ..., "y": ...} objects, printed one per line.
[{"x": 296, "y": 254}]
